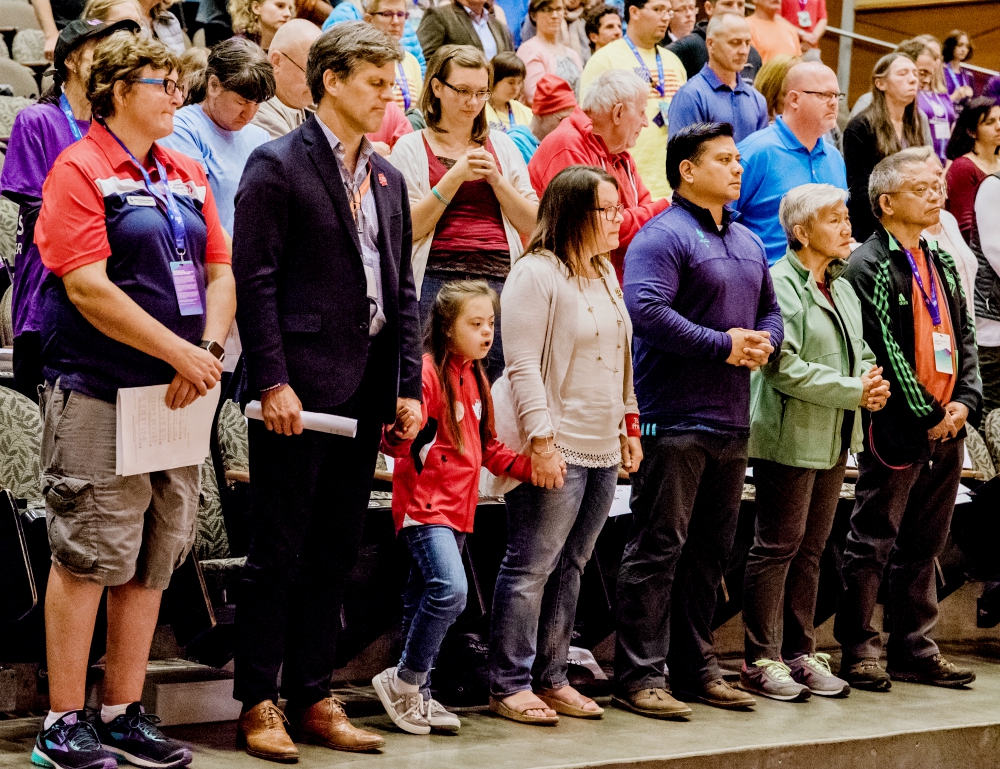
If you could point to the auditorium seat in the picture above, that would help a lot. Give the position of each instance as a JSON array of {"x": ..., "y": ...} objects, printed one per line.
[
  {"x": 982, "y": 462},
  {"x": 20, "y": 445}
]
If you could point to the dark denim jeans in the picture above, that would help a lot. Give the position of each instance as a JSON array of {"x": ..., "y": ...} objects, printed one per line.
[
  {"x": 551, "y": 535},
  {"x": 685, "y": 503},
  {"x": 428, "y": 293},
  {"x": 795, "y": 511},
  {"x": 901, "y": 518},
  {"x": 434, "y": 597}
]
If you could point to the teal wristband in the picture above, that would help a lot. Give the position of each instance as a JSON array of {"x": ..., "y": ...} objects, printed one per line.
[{"x": 440, "y": 197}]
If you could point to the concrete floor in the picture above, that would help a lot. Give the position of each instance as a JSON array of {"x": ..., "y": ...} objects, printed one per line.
[{"x": 912, "y": 727}]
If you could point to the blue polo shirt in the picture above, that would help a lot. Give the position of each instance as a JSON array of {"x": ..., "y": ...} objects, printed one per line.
[
  {"x": 96, "y": 207},
  {"x": 774, "y": 162},
  {"x": 706, "y": 99}
]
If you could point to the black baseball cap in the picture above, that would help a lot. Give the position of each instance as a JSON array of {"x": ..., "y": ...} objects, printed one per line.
[{"x": 76, "y": 33}]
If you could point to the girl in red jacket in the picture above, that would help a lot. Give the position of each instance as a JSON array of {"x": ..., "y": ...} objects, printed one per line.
[{"x": 435, "y": 488}]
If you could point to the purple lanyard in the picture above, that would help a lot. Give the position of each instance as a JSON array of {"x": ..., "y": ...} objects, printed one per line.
[
  {"x": 931, "y": 302},
  {"x": 404, "y": 86}
]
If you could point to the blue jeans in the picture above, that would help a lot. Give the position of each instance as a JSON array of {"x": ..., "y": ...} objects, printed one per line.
[
  {"x": 551, "y": 534},
  {"x": 434, "y": 597},
  {"x": 428, "y": 293}
]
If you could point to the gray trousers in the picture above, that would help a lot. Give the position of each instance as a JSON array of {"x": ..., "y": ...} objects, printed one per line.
[
  {"x": 795, "y": 511},
  {"x": 901, "y": 519}
]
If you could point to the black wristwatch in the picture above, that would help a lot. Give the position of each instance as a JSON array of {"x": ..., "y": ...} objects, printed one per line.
[{"x": 214, "y": 347}]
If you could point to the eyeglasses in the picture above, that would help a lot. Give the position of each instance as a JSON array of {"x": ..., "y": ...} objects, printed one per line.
[
  {"x": 612, "y": 212},
  {"x": 169, "y": 86},
  {"x": 404, "y": 15},
  {"x": 293, "y": 61},
  {"x": 465, "y": 93},
  {"x": 922, "y": 191},
  {"x": 827, "y": 95},
  {"x": 668, "y": 12}
]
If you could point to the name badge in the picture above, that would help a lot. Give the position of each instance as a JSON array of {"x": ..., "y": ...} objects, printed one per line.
[
  {"x": 941, "y": 129},
  {"x": 186, "y": 287},
  {"x": 370, "y": 286},
  {"x": 805, "y": 20},
  {"x": 664, "y": 109},
  {"x": 944, "y": 359},
  {"x": 140, "y": 200}
]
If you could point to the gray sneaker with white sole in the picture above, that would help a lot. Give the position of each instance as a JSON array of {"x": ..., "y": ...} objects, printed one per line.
[
  {"x": 440, "y": 719},
  {"x": 771, "y": 678},
  {"x": 406, "y": 709},
  {"x": 813, "y": 671}
]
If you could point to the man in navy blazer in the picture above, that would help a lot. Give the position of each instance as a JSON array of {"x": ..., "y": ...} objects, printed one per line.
[{"x": 329, "y": 322}]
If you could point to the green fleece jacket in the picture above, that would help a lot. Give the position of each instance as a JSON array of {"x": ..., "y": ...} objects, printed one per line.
[{"x": 799, "y": 399}]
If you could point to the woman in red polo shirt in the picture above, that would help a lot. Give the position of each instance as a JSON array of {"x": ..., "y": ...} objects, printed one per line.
[{"x": 140, "y": 285}]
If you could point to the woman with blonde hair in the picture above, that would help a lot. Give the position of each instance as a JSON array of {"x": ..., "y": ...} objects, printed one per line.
[
  {"x": 110, "y": 11},
  {"x": 470, "y": 195},
  {"x": 258, "y": 20},
  {"x": 770, "y": 81}
]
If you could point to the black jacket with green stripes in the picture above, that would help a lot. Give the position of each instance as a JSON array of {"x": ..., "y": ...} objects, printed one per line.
[{"x": 883, "y": 281}]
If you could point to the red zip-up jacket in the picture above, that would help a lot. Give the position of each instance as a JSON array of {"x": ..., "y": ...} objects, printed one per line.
[
  {"x": 432, "y": 483},
  {"x": 575, "y": 143}
]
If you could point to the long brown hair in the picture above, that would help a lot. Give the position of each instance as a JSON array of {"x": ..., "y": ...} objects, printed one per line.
[
  {"x": 448, "y": 307},
  {"x": 878, "y": 113},
  {"x": 567, "y": 217},
  {"x": 439, "y": 68}
]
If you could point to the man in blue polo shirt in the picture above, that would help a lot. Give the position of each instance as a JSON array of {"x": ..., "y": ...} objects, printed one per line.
[
  {"x": 718, "y": 94},
  {"x": 792, "y": 151}
]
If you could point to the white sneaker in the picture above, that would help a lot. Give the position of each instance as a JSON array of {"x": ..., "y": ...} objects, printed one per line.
[
  {"x": 439, "y": 718},
  {"x": 406, "y": 709}
]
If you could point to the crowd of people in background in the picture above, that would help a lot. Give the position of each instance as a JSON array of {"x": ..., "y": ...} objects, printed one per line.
[{"x": 629, "y": 239}]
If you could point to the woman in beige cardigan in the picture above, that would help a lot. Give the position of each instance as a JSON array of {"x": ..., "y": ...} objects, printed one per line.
[{"x": 566, "y": 395}]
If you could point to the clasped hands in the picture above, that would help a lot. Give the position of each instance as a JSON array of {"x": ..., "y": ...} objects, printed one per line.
[
  {"x": 954, "y": 420},
  {"x": 875, "y": 389},
  {"x": 750, "y": 348}
]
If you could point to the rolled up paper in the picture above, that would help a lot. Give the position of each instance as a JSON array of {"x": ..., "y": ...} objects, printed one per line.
[{"x": 312, "y": 420}]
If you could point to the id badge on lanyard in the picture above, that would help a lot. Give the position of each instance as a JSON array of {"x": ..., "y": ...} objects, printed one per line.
[{"x": 182, "y": 271}]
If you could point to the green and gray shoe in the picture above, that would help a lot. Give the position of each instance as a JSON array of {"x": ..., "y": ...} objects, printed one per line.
[{"x": 772, "y": 678}]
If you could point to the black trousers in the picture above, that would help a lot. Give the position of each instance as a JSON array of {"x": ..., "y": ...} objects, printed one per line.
[
  {"x": 28, "y": 364},
  {"x": 901, "y": 519},
  {"x": 686, "y": 501},
  {"x": 310, "y": 498}
]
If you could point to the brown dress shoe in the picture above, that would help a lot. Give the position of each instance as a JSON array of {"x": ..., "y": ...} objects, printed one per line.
[
  {"x": 325, "y": 723},
  {"x": 261, "y": 732},
  {"x": 719, "y": 694}
]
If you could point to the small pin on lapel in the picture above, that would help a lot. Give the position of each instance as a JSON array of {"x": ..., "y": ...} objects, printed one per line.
[{"x": 382, "y": 181}]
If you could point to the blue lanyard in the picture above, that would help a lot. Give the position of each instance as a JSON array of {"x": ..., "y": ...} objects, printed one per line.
[
  {"x": 510, "y": 116},
  {"x": 161, "y": 191},
  {"x": 931, "y": 302},
  {"x": 403, "y": 86},
  {"x": 68, "y": 112},
  {"x": 660, "y": 89}
]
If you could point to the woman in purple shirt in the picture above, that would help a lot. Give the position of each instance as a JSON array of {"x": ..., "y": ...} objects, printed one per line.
[
  {"x": 935, "y": 103},
  {"x": 40, "y": 132}
]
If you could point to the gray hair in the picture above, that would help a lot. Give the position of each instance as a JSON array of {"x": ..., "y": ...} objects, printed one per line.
[
  {"x": 612, "y": 87},
  {"x": 889, "y": 175},
  {"x": 721, "y": 21},
  {"x": 342, "y": 48},
  {"x": 801, "y": 205}
]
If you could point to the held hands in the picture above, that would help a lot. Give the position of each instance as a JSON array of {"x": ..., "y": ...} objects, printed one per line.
[
  {"x": 282, "y": 411},
  {"x": 875, "y": 389},
  {"x": 750, "y": 348},
  {"x": 631, "y": 454},
  {"x": 409, "y": 417},
  {"x": 198, "y": 371},
  {"x": 547, "y": 465},
  {"x": 962, "y": 92}
]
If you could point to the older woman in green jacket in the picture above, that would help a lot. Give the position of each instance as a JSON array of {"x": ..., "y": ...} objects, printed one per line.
[{"x": 804, "y": 418}]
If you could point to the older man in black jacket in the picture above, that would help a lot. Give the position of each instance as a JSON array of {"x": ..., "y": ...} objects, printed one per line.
[
  {"x": 916, "y": 322},
  {"x": 329, "y": 322}
]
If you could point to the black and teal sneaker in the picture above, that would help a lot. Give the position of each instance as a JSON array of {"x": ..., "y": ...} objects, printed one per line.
[
  {"x": 71, "y": 743},
  {"x": 134, "y": 737}
]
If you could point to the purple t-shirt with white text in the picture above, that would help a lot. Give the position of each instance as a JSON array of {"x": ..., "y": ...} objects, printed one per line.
[{"x": 40, "y": 133}]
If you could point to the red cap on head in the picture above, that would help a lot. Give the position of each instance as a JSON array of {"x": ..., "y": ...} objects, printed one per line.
[{"x": 552, "y": 94}]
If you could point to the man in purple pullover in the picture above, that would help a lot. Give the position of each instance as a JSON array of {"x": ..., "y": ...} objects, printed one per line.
[{"x": 705, "y": 315}]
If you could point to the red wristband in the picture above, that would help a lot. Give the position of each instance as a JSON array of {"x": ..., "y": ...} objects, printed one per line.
[{"x": 632, "y": 426}]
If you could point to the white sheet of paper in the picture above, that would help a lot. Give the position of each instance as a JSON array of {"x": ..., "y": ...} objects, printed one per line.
[
  {"x": 313, "y": 420},
  {"x": 152, "y": 437},
  {"x": 620, "y": 505}
]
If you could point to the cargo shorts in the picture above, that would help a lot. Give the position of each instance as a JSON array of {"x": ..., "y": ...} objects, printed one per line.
[{"x": 103, "y": 527}]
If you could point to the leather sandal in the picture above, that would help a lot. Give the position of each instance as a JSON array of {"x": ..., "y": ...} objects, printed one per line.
[
  {"x": 574, "y": 709},
  {"x": 521, "y": 716}
]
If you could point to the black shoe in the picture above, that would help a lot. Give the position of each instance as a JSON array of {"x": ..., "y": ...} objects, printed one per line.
[
  {"x": 135, "y": 737},
  {"x": 865, "y": 674},
  {"x": 71, "y": 743},
  {"x": 934, "y": 670}
]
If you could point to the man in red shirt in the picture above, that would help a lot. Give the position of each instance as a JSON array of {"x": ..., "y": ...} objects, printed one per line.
[{"x": 600, "y": 134}]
